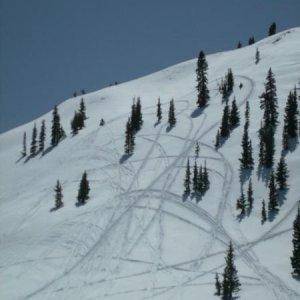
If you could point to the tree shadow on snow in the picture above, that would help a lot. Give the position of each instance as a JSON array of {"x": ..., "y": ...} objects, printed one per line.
[
  {"x": 124, "y": 157},
  {"x": 19, "y": 159},
  {"x": 282, "y": 196},
  {"x": 197, "y": 112},
  {"x": 56, "y": 208},
  {"x": 272, "y": 215},
  {"x": 169, "y": 128},
  {"x": 245, "y": 175},
  {"x": 263, "y": 174}
]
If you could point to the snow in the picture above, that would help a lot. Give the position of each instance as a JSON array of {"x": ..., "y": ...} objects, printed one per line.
[{"x": 135, "y": 238}]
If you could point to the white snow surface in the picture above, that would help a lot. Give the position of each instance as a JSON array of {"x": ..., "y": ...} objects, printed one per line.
[{"x": 135, "y": 238}]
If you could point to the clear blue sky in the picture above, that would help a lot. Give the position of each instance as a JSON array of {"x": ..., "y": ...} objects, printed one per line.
[{"x": 51, "y": 48}]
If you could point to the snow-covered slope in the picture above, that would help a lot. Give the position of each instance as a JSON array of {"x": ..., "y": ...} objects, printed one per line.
[{"x": 135, "y": 238}]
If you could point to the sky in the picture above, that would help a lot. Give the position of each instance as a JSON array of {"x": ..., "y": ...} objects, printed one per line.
[{"x": 49, "y": 49}]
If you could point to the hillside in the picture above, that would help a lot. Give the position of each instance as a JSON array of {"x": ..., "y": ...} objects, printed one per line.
[{"x": 135, "y": 238}]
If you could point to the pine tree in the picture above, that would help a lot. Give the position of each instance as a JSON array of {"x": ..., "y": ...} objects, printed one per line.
[
  {"x": 58, "y": 195},
  {"x": 246, "y": 160},
  {"x": 200, "y": 182},
  {"x": 263, "y": 212},
  {"x": 24, "y": 150},
  {"x": 205, "y": 178},
  {"x": 282, "y": 174},
  {"x": 261, "y": 134},
  {"x": 77, "y": 122},
  {"x": 230, "y": 81},
  {"x": 269, "y": 145},
  {"x": 272, "y": 29},
  {"x": 218, "y": 286},
  {"x": 33, "y": 147},
  {"x": 273, "y": 195},
  {"x": 295, "y": 258},
  {"x": 268, "y": 101},
  {"x": 257, "y": 56},
  {"x": 56, "y": 128},
  {"x": 241, "y": 204},
  {"x": 129, "y": 138},
  {"x": 42, "y": 137},
  {"x": 187, "y": 180},
  {"x": 225, "y": 126},
  {"x": 197, "y": 149},
  {"x": 234, "y": 118},
  {"x": 251, "y": 40},
  {"x": 290, "y": 128},
  {"x": 84, "y": 189},
  {"x": 82, "y": 109},
  {"x": 201, "y": 71},
  {"x": 247, "y": 114},
  {"x": 250, "y": 198},
  {"x": 195, "y": 178},
  {"x": 139, "y": 114},
  {"x": 159, "y": 112},
  {"x": 230, "y": 284},
  {"x": 239, "y": 45},
  {"x": 172, "y": 118}
]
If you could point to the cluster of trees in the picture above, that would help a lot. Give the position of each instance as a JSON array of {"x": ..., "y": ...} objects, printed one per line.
[
  {"x": 202, "y": 81},
  {"x": 230, "y": 120},
  {"x": 77, "y": 122},
  {"x": 245, "y": 203},
  {"x": 37, "y": 145},
  {"x": 198, "y": 183},
  {"x": 251, "y": 40},
  {"x": 226, "y": 85},
  {"x": 82, "y": 196},
  {"x": 75, "y": 94},
  {"x": 230, "y": 285},
  {"x": 133, "y": 125}
]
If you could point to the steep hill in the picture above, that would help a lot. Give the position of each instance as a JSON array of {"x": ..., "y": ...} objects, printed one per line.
[{"x": 135, "y": 238}]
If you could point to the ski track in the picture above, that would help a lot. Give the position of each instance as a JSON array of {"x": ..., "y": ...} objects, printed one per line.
[{"x": 166, "y": 178}]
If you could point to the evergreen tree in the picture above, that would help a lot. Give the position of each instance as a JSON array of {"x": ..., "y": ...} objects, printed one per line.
[
  {"x": 234, "y": 117},
  {"x": 273, "y": 195},
  {"x": 247, "y": 114},
  {"x": 257, "y": 56},
  {"x": 205, "y": 178},
  {"x": 225, "y": 126},
  {"x": 218, "y": 286},
  {"x": 197, "y": 149},
  {"x": 272, "y": 29},
  {"x": 58, "y": 195},
  {"x": 251, "y": 40},
  {"x": 129, "y": 138},
  {"x": 56, "y": 128},
  {"x": 268, "y": 101},
  {"x": 82, "y": 109},
  {"x": 84, "y": 189},
  {"x": 24, "y": 150},
  {"x": 200, "y": 181},
  {"x": 241, "y": 204},
  {"x": 172, "y": 118},
  {"x": 230, "y": 81},
  {"x": 77, "y": 122},
  {"x": 295, "y": 259},
  {"x": 201, "y": 71},
  {"x": 247, "y": 159},
  {"x": 263, "y": 213},
  {"x": 187, "y": 180},
  {"x": 282, "y": 174},
  {"x": 102, "y": 122},
  {"x": 42, "y": 137},
  {"x": 290, "y": 128},
  {"x": 269, "y": 145},
  {"x": 159, "y": 112},
  {"x": 250, "y": 198},
  {"x": 217, "y": 141},
  {"x": 239, "y": 45},
  {"x": 261, "y": 145},
  {"x": 230, "y": 284},
  {"x": 33, "y": 147},
  {"x": 195, "y": 178}
]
